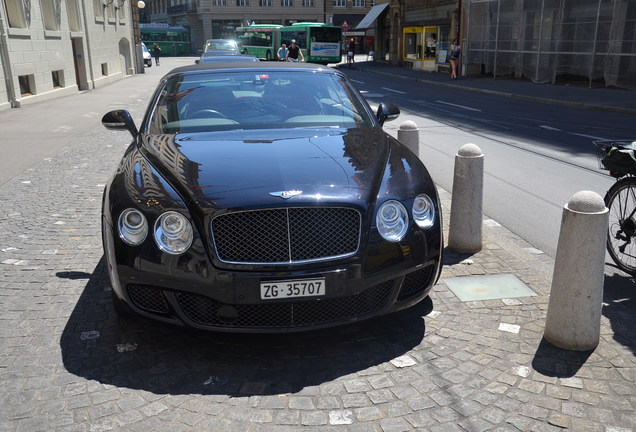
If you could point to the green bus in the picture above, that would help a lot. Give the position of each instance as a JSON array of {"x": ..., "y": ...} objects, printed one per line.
[
  {"x": 319, "y": 42},
  {"x": 259, "y": 40},
  {"x": 173, "y": 40}
]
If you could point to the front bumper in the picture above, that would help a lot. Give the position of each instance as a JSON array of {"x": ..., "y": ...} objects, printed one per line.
[{"x": 188, "y": 290}]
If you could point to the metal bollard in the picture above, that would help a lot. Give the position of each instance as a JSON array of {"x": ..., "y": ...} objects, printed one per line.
[
  {"x": 573, "y": 320},
  {"x": 409, "y": 135},
  {"x": 464, "y": 232}
]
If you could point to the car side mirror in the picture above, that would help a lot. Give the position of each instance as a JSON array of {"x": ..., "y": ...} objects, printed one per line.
[
  {"x": 387, "y": 112},
  {"x": 120, "y": 120},
  {"x": 243, "y": 51},
  {"x": 197, "y": 61}
]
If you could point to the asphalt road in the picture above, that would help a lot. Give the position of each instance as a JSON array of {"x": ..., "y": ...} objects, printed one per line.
[{"x": 536, "y": 155}]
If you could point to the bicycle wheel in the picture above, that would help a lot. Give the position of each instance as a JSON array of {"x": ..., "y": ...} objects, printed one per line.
[{"x": 621, "y": 240}]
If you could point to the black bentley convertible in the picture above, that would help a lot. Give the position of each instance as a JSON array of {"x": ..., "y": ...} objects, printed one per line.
[{"x": 264, "y": 197}]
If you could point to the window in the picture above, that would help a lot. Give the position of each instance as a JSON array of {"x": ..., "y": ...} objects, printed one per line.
[
  {"x": 287, "y": 3},
  {"x": 266, "y": 3},
  {"x": 359, "y": 3},
  {"x": 339, "y": 3},
  {"x": 15, "y": 13},
  {"x": 98, "y": 9},
  {"x": 26, "y": 85},
  {"x": 242, "y": 3},
  {"x": 219, "y": 2},
  {"x": 51, "y": 16},
  {"x": 73, "y": 15},
  {"x": 58, "y": 78},
  {"x": 308, "y": 3}
]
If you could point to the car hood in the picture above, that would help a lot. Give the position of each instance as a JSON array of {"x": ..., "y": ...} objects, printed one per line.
[{"x": 242, "y": 169}]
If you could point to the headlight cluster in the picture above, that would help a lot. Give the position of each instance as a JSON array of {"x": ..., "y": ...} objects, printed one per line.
[
  {"x": 392, "y": 218},
  {"x": 172, "y": 231}
]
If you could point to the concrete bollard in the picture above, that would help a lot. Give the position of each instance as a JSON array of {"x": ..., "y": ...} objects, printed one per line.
[
  {"x": 573, "y": 320},
  {"x": 464, "y": 232},
  {"x": 409, "y": 135}
]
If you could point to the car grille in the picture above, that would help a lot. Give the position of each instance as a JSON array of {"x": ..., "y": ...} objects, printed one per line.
[
  {"x": 287, "y": 235},
  {"x": 148, "y": 298},
  {"x": 415, "y": 282},
  {"x": 206, "y": 311}
]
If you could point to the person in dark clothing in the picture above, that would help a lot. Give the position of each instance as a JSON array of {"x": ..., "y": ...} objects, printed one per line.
[
  {"x": 453, "y": 55},
  {"x": 156, "y": 52},
  {"x": 294, "y": 52}
]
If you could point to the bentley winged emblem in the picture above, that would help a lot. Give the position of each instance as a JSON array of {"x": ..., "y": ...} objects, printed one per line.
[{"x": 286, "y": 194}]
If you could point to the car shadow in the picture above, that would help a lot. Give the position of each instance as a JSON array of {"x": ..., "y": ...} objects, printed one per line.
[{"x": 142, "y": 354}]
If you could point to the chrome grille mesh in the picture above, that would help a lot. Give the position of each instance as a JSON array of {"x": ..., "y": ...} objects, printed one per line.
[
  {"x": 148, "y": 298},
  {"x": 286, "y": 235},
  {"x": 415, "y": 282},
  {"x": 209, "y": 312}
]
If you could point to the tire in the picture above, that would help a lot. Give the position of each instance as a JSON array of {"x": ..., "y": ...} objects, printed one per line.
[
  {"x": 268, "y": 56},
  {"x": 621, "y": 240}
]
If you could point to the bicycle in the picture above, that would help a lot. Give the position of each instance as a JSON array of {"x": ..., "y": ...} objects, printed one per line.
[{"x": 619, "y": 158}]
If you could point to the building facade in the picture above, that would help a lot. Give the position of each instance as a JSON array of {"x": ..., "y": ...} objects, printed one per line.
[
  {"x": 53, "y": 48},
  {"x": 218, "y": 19}
]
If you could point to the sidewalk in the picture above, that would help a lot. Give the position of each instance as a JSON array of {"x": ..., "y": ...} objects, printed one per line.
[
  {"x": 460, "y": 363},
  {"x": 607, "y": 99}
]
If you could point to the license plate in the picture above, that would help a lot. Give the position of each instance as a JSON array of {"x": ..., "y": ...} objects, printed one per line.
[{"x": 292, "y": 289}]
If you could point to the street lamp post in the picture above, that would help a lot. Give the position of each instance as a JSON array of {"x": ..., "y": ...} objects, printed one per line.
[{"x": 139, "y": 55}]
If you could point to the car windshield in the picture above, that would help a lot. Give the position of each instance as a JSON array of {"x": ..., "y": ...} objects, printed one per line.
[
  {"x": 144, "y": 48},
  {"x": 221, "y": 45},
  {"x": 228, "y": 100}
]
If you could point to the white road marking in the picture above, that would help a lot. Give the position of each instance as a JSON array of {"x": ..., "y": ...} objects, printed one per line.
[
  {"x": 394, "y": 91},
  {"x": 356, "y": 81},
  {"x": 549, "y": 128},
  {"x": 459, "y": 106},
  {"x": 590, "y": 136}
]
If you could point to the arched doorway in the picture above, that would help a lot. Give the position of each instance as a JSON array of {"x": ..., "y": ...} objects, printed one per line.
[{"x": 125, "y": 57}]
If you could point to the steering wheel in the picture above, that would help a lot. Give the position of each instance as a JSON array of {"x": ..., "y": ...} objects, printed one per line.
[{"x": 207, "y": 113}]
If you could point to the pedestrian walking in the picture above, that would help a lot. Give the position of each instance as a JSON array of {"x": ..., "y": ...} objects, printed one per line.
[
  {"x": 281, "y": 55},
  {"x": 351, "y": 52},
  {"x": 294, "y": 53},
  {"x": 156, "y": 51},
  {"x": 453, "y": 56}
]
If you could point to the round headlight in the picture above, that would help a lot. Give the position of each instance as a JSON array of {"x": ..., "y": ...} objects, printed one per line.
[
  {"x": 423, "y": 211},
  {"x": 132, "y": 227},
  {"x": 173, "y": 233},
  {"x": 392, "y": 221}
]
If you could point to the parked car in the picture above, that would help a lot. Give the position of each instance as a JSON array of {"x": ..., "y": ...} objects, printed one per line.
[
  {"x": 146, "y": 54},
  {"x": 214, "y": 58},
  {"x": 221, "y": 47},
  {"x": 266, "y": 198}
]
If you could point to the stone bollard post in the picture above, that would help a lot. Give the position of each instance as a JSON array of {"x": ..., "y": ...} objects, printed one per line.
[
  {"x": 464, "y": 232},
  {"x": 573, "y": 320},
  {"x": 409, "y": 135}
]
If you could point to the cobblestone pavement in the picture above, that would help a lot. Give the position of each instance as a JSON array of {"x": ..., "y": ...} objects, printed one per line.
[{"x": 69, "y": 363}]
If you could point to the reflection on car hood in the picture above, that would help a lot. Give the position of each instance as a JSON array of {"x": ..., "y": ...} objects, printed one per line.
[{"x": 241, "y": 168}]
